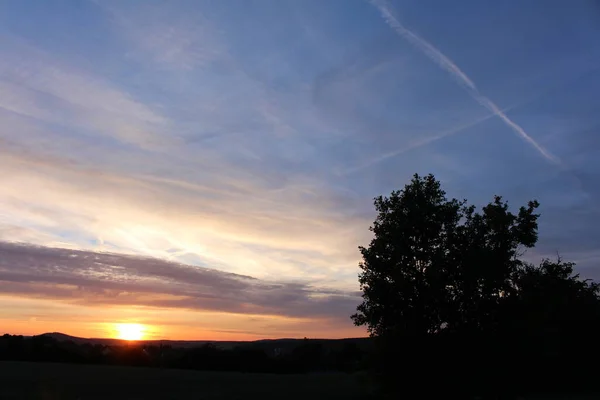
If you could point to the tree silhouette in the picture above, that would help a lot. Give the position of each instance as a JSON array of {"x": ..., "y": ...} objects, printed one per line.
[
  {"x": 438, "y": 265},
  {"x": 448, "y": 299}
]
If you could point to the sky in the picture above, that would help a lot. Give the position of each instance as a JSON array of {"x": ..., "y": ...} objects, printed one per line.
[{"x": 206, "y": 169}]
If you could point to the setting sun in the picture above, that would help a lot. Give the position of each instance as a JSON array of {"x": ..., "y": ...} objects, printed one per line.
[{"x": 130, "y": 331}]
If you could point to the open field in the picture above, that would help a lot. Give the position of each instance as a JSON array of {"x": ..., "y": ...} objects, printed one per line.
[{"x": 48, "y": 381}]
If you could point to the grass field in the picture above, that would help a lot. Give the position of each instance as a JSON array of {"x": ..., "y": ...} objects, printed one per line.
[{"x": 22, "y": 380}]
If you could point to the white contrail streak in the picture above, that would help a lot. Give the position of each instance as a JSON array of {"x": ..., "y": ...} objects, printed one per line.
[
  {"x": 416, "y": 144},
  {"x": 447, "y": 64}
]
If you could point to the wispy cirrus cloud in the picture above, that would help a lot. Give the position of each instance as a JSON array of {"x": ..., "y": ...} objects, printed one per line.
[
  {"x": 219, "y": 220},
  {"x": 170, "y": 37},
  {"x": 91, "y": 278},
  {"x": 33, "y": 84}
]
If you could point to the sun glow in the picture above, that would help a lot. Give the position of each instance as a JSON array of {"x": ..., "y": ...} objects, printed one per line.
[{"x": 130, "y": 331}]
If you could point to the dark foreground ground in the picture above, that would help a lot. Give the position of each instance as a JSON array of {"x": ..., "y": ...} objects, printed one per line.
[
  {"x": 23, "y": 380},
  {"x": 47, "y": 381}
]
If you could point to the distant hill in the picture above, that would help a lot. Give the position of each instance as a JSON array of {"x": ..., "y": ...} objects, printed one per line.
[
  {"x": 61, "y": 337},
  {"x": 264, "y": 344}
]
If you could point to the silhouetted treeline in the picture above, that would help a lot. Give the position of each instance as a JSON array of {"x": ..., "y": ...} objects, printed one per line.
[
  {"x": 307, "y": 356},
  {"x": 455, "y": 310}
]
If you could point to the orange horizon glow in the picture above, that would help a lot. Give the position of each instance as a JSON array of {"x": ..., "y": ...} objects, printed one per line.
[
  {"x": 174, "y": 335},
  {"x": 30, "y": 317}
]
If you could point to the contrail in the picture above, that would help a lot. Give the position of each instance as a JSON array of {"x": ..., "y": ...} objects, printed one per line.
[
  {"x": 423, "y": 142},
  {"x": 419, "y": 143},
  {"x": 447, "y": 64}
]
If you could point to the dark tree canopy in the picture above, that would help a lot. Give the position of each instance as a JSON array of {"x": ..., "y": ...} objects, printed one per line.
[
  {"x": 442, "y": 280},
  {"x": 436, "y": 264}
]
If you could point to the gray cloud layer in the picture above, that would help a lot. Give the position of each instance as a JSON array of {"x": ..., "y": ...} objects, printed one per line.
[{"x": 90, "y": 278}]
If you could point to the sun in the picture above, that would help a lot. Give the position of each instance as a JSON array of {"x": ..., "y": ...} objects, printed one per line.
[{"x": 130, "y": 331}]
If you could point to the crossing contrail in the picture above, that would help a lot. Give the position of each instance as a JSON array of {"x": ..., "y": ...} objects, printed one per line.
[{"x": 448, "y": 65}]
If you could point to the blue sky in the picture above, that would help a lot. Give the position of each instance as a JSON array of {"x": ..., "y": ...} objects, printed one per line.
[{"x": 249, "y": 138}]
